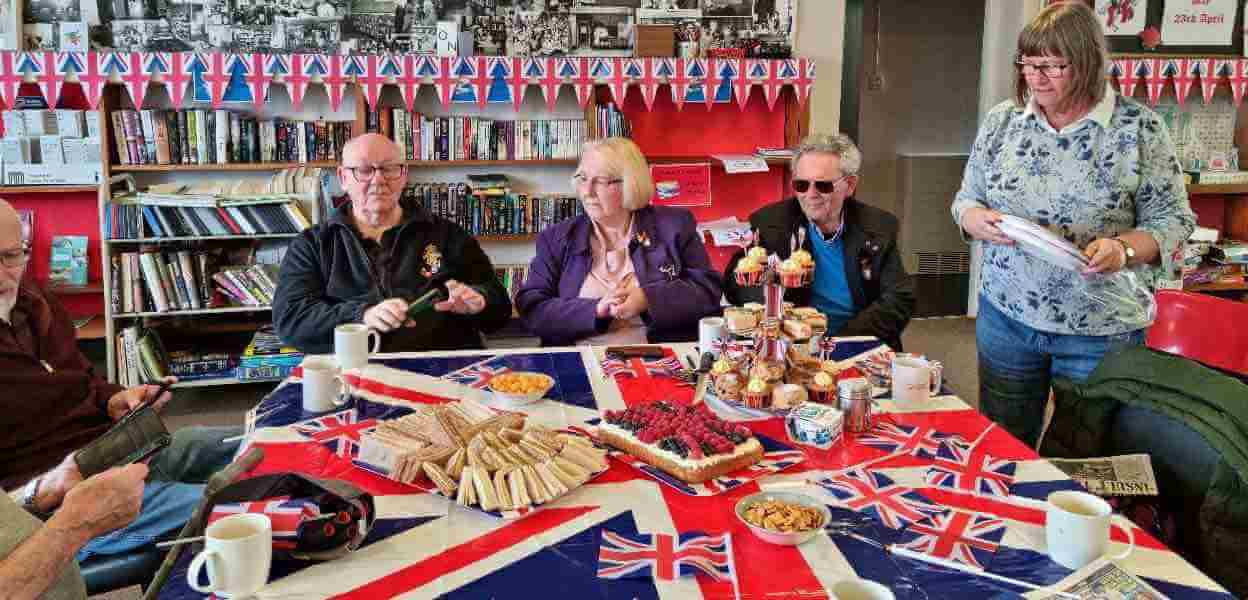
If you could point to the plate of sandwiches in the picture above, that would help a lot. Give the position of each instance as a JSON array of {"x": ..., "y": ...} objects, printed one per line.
[
  {"x": 1042, "y": 243},
  {"x": 489, "y": 461},
  {"x": 690, "y": 448}
]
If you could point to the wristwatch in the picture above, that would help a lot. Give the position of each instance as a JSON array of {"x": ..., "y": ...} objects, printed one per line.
[
  {"x": 30, "y": 492},
  {"x": 1126, "y": 248}
]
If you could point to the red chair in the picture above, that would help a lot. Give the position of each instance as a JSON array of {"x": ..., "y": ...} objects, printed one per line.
[{"x": 1204, "y": 328}]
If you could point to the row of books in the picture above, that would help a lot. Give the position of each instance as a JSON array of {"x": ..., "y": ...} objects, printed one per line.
[
  {"x": 267, "y": 358},
  {"x": 151, "y": 281},
  {"x": 611, "y": 122},
  {"x": 143, "y": 216},
  {"x": 512, "y": 277},
  {"x": 493, "y": 214},
  {"x": 424, "y": 137},
  {"x": 141, "y": 356},
  {"x": 202, "y": 136}
]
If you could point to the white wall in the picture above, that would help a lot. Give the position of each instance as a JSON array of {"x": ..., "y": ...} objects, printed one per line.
[{"x": 821, "y": 36}]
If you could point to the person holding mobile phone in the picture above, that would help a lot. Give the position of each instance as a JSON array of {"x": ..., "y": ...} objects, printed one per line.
[{"x": 54, "y": 404}]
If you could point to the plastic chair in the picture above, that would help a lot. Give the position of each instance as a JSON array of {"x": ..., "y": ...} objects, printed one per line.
[{"x": 1204, "y": 328}]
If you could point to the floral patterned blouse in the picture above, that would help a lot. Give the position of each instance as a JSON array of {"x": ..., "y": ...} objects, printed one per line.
[{"x": 1113, "y": 171}]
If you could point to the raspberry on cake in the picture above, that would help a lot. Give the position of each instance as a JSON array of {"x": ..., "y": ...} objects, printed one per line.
[{"x": 689, "y": 442}]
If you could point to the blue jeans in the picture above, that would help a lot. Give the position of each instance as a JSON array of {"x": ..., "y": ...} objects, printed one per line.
[
  {"x": 1018, "y": 363},
  {"x": 174, "y": 488}
]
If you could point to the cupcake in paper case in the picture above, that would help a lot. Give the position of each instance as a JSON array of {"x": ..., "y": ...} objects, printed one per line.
[
  {"x": 823, "y": 388},
  {"x": 804, "y": 259},
  {"x": 757, "y": 394},
  {"x": 792, "y": 275},
  {"x": 721, "y": 367},
  {"x": 749, "y": 272},
  {"x": 728, "y": 387},
  {"x": 759, "y": 254},
  {"x": 771, "y": 371}
]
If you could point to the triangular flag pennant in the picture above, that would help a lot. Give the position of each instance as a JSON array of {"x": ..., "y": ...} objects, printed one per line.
[
  {"x": 548, "y": 79},
  {"x": 678, "y": 83},
  {"x": 481, "y": 83},
  {"x": 1238, "y": 78},
  {"x": 335, "y": 82},
  {"x": 217, "y": 77},
  {"x": 237, "y": 88},
  {"x": 91, "y": 80},
  {"x": 1127, "y": 76},
  {"x": 260, "y": 78},
  {"x": 634, "y": 68},
  {"x": 409, "y": 81},
  {"x": 1154, "y": 78},
  {"x": 617, "y": 81},
  {"x": 649, "y": 82},
  {"x": 741, "y": 84},
  {"x": 519, "y": 80},
  {"x": 805, "y": 79},
  {"x": 498, "y": 80},
  {"x": 1208, "y": 78},
  {"x": 773, "y": 83},
  {"x": 173, "y": 76},
  {"x": 713, "y": 79},
  {"x": 70, "y": 62},
  {"x": 49, "y": 79},
  {"x": 1182, "y": 73},
  {"x": 582, "y": 80},
  {"x": 443, "y": 80},
  {"x": 372, "y": 79},
  {"x": 296, "y": 80},
  {"x": 129, "y": 67},
  {"x": 663, "y": 67},
  {"x": 354, "y": 66},
  {"x": 11, "y": 79},
  {"x": 391, "y": 66}
]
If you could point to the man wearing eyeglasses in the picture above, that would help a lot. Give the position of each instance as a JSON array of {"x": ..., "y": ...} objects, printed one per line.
[
  {"x": 859, "y": 282},
  {"x": 375, "y": 256}
]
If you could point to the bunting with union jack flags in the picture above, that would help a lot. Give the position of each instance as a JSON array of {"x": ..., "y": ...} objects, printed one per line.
[{"x": 665, "y": 557}]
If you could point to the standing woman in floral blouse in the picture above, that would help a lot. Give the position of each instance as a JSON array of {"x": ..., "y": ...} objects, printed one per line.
[{"x": 1096, "y": 168}]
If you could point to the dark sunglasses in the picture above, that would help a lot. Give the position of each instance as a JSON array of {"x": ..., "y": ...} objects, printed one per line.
[{"x": 823, "y": 187}]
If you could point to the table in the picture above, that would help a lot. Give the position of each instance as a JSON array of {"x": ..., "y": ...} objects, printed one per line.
[{"x": 423, "y": 546}]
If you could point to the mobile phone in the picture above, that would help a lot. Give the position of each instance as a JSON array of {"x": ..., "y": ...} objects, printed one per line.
[
  {"x": 164, "y": 387},
  {"x": 426, "y": 301}
]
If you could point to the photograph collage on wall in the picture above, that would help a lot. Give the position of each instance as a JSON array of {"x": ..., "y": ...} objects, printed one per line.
[{"x": 763, "y": 28}]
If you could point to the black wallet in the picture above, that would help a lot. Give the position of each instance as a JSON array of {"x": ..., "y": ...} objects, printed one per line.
[{"x": 135, "y": 437}]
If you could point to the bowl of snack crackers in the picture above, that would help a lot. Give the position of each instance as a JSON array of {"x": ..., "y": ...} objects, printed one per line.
[
  {"x": 784, "y": 518},
  {"x": 521, "y": 387}
]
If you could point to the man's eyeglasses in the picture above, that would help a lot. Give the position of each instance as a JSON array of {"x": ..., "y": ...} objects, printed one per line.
[
  {"x": 822, "y": 186},
  {"x": 16, "y": 257},
  {"x": 580, "y": 180},
  {"x": 366, "y": 172},
  {"x": 1049, "y": 70}
]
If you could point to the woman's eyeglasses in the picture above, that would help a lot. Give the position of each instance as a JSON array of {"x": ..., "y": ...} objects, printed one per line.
[
  {"x": 16, "y": 257},
  {"x": 1049, "y": 70},
  {"x": 823, "y": 186},
  {"x": 580, "y": 180},
  {"x": 366, "y": 172}
]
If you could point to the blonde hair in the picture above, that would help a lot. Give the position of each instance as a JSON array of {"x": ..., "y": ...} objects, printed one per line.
[
  {"x": 624, "y": 160},
  {"x": 1068, "y": 30}
]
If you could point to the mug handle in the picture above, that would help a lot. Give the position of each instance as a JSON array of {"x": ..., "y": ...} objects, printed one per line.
[
  {"x": 936, "y": 377},
  {"x": 1126, "y": 525},
  {"x": 374, "y": 336},
  {"x": 197, "y": 565},
  {"x": 344, "y": 391}
]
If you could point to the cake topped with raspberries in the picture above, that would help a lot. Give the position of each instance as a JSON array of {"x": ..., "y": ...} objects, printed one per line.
[{"x": 689, "y": 442}]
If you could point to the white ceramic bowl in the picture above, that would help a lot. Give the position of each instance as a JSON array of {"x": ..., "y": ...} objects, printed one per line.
[
  {"x": 521, "y": 399},
  {"x": 783, "y": 538}
]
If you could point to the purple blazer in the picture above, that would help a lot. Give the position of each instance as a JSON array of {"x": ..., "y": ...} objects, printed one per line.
[{"x": 670, "y": 264}]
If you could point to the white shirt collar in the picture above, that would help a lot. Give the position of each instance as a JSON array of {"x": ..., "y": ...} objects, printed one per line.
[{"x": 1100, "y": 114}]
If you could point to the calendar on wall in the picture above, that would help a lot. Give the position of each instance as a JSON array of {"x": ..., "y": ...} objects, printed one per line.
[{"x": 1199, "y": 130}]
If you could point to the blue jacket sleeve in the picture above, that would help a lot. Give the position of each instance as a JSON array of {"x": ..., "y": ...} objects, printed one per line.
[
  {"x": 694, "y": 294},
  {"x": 558, "y": 321},
  {"x": 302, "y": 315}
]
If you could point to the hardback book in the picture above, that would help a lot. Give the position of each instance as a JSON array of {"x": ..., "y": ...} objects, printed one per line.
[{"x": 69, "y": 260}]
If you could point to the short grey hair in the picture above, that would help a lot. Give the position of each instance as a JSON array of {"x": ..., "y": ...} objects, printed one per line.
[{"x": 837, "y": 144}]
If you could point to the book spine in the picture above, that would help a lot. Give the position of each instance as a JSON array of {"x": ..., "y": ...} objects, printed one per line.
[
  {"x": 229, "y": 288},
  {"x": 201, "y": 136},
  {"x": 222, "y": 136},
  {"x": 152, "y": 281},
  {"x": 188, "y": 278},
  {"x": 236, "y": 134},
  {"x": 131, "y": 337},
  {"x": 204, "y": 280},
  {"x": 148, "y": 125}
]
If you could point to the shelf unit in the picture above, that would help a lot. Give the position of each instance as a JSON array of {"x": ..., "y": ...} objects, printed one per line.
[{"x": 47, "y": 189}]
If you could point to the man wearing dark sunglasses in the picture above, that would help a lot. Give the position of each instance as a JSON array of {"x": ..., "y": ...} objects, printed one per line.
[
  {"x": 859, "y": 283},
  {"x": 370, "y": 260}
]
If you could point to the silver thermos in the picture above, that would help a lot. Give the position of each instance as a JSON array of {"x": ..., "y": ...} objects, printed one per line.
[{"x": 853, "y": 396}]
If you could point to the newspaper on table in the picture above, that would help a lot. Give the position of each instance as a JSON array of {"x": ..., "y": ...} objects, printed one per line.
[
  {"x": 1126, "y": 475},
  {"x": 1102, "y": 579}
]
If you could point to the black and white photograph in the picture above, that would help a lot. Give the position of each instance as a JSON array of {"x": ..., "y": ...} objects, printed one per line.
[
  {"x": 52, "y": 11},
  {"x": 723, "y": 32},
  {"x": 131, "y": 35},
  {"x": 40, "y": 36},
  {"x": 727, "y": 8},
  {"x": 669, "y": 9},
  {"x": 540, "y": 33},
  {"x": 306, "y": 34},
  {"x": 489, "y": 33},
  {"x": 774, "y": 18},
  {"x": 606, "y": 31},
  {"x": 189, "y": 23}
]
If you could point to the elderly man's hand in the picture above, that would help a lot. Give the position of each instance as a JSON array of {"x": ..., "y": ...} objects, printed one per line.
[
  {"x": 461, "y": 299},
  {"x": 130, "y": 398},
  {"x": 101, "y": 503},
  {"x": 388, "y": 315}
]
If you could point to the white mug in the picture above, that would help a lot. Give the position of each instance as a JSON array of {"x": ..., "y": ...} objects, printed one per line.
[
  {"x": 237, "y": 551},
  {"x": 353, "y": 343},
  {"x": 712, "y": 331},
  {"x": 323, "y": 388},
  {"x": 915, "y": 379},
  {"x": 1077, "y": 529},
  {"x": 860, "y": 589}
]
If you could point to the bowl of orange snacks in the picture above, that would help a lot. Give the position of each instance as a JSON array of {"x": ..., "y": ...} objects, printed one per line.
[
  {"x": 521, "y": 387},
  {"x": 784, "y": 518}
]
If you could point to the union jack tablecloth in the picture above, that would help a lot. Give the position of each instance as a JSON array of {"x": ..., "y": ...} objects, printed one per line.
[{"x": 939, "y": 479}]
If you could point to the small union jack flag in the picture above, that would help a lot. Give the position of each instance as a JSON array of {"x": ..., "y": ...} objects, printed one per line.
[
  {"x": 285, "y": 514},
  {"x": 968, "y": 538},
  {"x": 338, "y": 431},
  {"x": 968, "y": 467},
  {"x": 665, "y": 557},
  {"x": 896, "y": 438},
  {"x": 772, "y": 462},
  {"x": 479, "y": 375},
  {"x": 876, "y": 494},
  {"x": 668, "y": 366}
]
